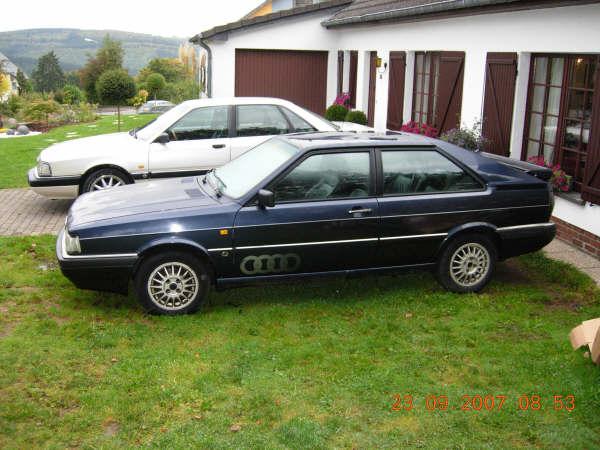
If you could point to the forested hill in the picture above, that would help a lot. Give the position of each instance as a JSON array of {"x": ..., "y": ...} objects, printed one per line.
[{"x": 24, "y": 47}]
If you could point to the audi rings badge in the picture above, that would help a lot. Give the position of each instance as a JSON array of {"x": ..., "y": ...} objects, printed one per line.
[{"x": 263, "y": 264}]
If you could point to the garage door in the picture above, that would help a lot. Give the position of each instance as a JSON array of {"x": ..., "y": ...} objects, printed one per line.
[{"x": 298, "y": 76}]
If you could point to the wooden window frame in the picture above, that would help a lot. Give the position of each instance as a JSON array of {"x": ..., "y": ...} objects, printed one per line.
[{"x": 431, "y": 93}]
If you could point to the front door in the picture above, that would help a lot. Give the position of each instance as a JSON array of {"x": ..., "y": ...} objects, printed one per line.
[
  {"x": 198, "y": 141},
  {"x": 325, "y": 219}
]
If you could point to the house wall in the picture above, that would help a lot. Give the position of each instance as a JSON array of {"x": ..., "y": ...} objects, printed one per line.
[{"x": 572, "y": 29}]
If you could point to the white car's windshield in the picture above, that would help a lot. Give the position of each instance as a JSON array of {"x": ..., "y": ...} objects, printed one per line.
[
  {"x": 162, "y": 122},
  {"x": 237, "y": 177}
]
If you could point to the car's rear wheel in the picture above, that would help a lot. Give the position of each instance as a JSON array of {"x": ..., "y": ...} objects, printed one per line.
[
  {"x": 103, "y": 179},
  {"x": 467, "y": 263},
  {"x": 172, "y": 283}
]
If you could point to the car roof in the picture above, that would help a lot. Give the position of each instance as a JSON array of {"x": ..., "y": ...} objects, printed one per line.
[
  {"x": 237, "y": 101},
  {"x": 333, "y": 139}
]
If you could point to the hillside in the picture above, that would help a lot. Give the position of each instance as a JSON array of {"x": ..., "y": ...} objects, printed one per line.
[{"x": 72, "y": 46}]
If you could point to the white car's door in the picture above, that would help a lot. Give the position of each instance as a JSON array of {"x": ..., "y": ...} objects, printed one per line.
[
  {"x": 255, "y": 124},
  {"x": 197, "y": 142}
]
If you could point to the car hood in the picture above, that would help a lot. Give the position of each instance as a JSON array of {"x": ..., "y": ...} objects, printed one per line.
[
  {"x": 104, "y": 144},
  {"x": 140, "y": 198}
]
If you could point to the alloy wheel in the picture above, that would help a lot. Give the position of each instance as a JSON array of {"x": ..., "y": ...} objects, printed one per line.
[
  {"x": 106, "y": 181},
  {"x": 172, "y": 286},
  {"x": 469, "y": 264}
]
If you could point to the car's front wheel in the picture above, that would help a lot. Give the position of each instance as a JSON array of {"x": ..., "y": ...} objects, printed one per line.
[
  {"x": 103, "y": 179},
  {"x": 467, "y": 263},
  {"x": 172, "y": 283}
]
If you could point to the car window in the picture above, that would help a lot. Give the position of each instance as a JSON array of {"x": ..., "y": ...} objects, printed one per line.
[
  {"x": 418, "y": 171},
  {"x": 326, "y": 176},
  {"x": 201, "y": 123},
  {"x": 298, "y": 123},
  {"x": 260, "y": 120}
]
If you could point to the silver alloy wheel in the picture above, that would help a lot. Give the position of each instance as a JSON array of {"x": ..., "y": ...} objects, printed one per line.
[
  {"x": 469, "y": 264},
  {"x": 172, "y": 286},
  {"x": 106, "y": 181}
]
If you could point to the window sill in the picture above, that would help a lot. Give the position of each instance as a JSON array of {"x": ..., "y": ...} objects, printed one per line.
[{"x": 571, "y": 197}]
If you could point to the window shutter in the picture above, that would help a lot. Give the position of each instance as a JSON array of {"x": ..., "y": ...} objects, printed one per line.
[
  {"x": 501, "y": 74},
  {"x": 396, "y": 90},
  {"x": 340, "y": 72},
  {"x": 449, "y": 91},
  {"x": 372, "y": 81},
  {"x": 590, "y": 190},
  {"x": 352, "y": 81}
]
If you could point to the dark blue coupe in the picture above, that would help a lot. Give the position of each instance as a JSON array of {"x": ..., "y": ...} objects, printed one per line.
[{"x": 306, "y": 205}]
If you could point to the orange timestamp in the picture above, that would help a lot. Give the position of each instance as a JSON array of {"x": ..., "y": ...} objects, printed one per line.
[{"x": 486, "y": 402}]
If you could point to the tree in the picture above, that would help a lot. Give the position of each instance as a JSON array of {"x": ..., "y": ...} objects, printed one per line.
[
  {"x": 48, "y": 76},
  {"x": 5, "y": 85},
  {"x": 23, "y": 82},
  {"x": 172, "y": 69},
  {"x": 115, "y": 87},
  {"x": 108, "y": 57},
  {"x": 154, "y": 84},
  {"x": 72, "y": 95}
]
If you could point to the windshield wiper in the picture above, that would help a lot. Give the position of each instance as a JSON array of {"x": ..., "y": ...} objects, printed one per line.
[
  {"x": 216, "y": 186},
  {"x": 133, "y": 132}
]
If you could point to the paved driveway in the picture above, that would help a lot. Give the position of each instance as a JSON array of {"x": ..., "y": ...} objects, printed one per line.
[{"x": 23, "y": 212}]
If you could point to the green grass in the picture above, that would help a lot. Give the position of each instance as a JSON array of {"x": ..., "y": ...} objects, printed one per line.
[
  {"x": 18, "y": 155},
  {"x": 310, "y": 365}
]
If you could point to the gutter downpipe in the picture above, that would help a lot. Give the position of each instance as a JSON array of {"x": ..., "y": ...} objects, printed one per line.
[{"x": 205, "y": 46}]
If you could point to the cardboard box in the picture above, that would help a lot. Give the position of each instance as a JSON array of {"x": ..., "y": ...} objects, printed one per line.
[{"x": 588, "y": 333}]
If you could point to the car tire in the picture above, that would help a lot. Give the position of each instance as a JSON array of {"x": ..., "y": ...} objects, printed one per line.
[
  {"x": 467, "y": 263},
  {"x": 172, "y": 283},
  {"x": 106, "y": 178}
]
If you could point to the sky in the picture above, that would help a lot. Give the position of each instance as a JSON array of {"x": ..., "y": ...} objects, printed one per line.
[{"x": 180, "y": 18}]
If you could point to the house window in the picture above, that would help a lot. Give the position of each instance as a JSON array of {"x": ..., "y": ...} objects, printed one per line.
[
  {"x": 426, "y": 87},
  {"x": 559, "y": 111}
]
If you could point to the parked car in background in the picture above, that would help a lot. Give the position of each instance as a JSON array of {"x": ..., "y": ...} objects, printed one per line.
[
  {"x": 155, "y": 107},
  {"x": 189, "y": 139},
  {"x": 306, "y": 205}
]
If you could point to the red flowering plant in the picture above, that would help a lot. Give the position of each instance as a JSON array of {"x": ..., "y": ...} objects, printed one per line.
[
  {"x": 343, "y": 99},
  {"x": 560, "y": 180},
  {"x": 424, "y": 129}
]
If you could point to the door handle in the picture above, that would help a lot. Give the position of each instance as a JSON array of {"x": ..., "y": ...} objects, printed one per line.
[
  {"x": 218, "y": 145},
  {"x": 360, "y": 211}
]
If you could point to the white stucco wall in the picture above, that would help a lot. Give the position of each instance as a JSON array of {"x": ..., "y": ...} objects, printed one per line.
[{"x": 572, "y": 29}]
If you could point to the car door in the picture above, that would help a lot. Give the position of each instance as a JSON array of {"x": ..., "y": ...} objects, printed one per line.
[
  {"x": 424, "y": 195},
  {"x": 324, "y": 219},
  {"x": 198, "y": 141},
  {"x": 255, "y": 124}
]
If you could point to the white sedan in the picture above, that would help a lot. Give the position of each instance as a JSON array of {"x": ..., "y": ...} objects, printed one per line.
[{"x": 191, "y": 138}]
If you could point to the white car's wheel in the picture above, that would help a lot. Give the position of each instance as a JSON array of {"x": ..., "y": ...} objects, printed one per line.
[{"x": 103, "y": 179}]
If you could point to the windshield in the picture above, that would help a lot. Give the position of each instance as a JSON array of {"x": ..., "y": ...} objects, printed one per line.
[
  {"x": 162, "y": 122},
  {"x": 243, "y": 173}
]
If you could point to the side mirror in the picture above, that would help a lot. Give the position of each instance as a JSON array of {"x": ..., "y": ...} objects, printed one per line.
[
  {"x": 162, "y": 138},
  {"x": 266, "y": 198}
]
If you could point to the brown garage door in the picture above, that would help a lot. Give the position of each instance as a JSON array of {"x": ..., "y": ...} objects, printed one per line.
[{"x": 298, "y": 76}]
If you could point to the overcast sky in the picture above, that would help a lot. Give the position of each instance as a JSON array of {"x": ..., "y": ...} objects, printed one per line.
[{"x": 181, "y": 18}]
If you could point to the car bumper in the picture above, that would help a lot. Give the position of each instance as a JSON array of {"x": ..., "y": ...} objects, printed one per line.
[
  {"x": 105, "y": 272},
  {"x": 54, "y": 187},
  {"x": 521, "y": 239}
]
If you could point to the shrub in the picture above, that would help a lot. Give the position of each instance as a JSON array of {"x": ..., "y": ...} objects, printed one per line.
[
  {"x": 39, "y": 110},
  {"x": 415, "y": 128},
  {"x": 72, "y": 95},
  {"x": 356, "y": 116},
  {"x": 336, "y": 113},
  {"x": 155, "y": 83},
  {"x": 468, "y": 138},
  {"x": 560, "y": 181}
]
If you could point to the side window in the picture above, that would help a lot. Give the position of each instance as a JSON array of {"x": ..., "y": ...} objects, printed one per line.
[
  {"x": 260, "y": 120},
  {"x": 201, "y": 123},
  {"x": 326, "y": 176},
  {"x": 417, "y": 171},
  {"x": 298, "y": 123}
]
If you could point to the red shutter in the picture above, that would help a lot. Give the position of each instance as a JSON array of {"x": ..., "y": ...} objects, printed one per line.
[
  {"x": 590, "y": 189},
  {"x": 352, "y": 80},
  {"x": 501, "y": 74},
  {"x": 396, "y": 90},
  {"x": 372, "y": 80},
  {"x": 449, "y": 91}
]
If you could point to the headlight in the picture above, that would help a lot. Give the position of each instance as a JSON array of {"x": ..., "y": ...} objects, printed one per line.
[
  {"x": 44, "y": 169},
  {"x": 72, "y": 246}
]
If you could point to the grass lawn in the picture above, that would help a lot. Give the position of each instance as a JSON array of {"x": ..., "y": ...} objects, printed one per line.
[
  {"x": 307, "y": 365},
  {"x": 18, "y": 155}
]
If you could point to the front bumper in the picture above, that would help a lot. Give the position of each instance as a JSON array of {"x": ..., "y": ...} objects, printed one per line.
[
  {"x": 101, "y": 272},
  {"x": 54, "y": 187},
  {"x": 521, "y": 239}
]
